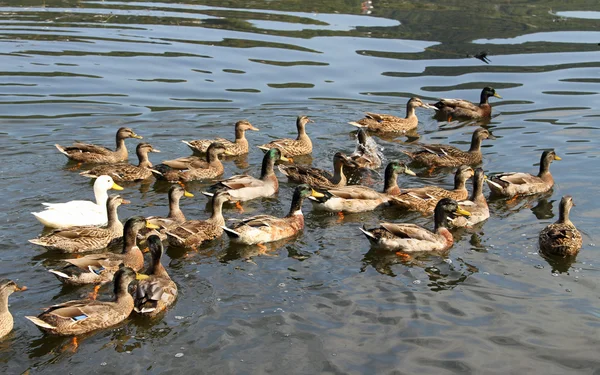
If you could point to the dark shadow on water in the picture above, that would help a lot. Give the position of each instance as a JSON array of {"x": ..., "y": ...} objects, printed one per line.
[{"x": 559, "y": 264}]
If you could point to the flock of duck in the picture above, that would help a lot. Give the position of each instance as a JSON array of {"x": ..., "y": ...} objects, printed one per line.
[{"x": 84, "y": 226}]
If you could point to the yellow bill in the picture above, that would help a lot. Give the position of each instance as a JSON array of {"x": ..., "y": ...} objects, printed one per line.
[
  {"x": 116, "y": 187},
  {"x": 316, "y": 194},
  {"x": 497, "y": 96},
  {"x": 556, "y": 157},
  {"x": 149, "y": 225},
  {"x": 141, "y": 276},
  {"x": 187, "y": 194},
  {"x": 461, "y": 212}
]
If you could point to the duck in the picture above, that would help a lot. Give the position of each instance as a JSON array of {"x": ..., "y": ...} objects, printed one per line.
[
  {"x": 424, "y": 199},
  {"x": 302, "y": 145},
  {"x": 366, "y": 155},
  {"x": 77, "y": 212},
  {"x": 476, "y": 204},
  {"x": 381, "y": 123},
  {"x": 262, "y": 229},
  {"x": 193, "y": 233},
  {"x": 319, "y": 178},
  {"x": 237, "y": 147},
  {"x": 80, "y": 239},
  {"x": 125, "y": 171},
  {"x": 463, "y": 109},
  {"x": 562, "y": 237},
  {"x": 157, "y": 292},
  {"x": 244, "y": 187},
  {"x": 358, "y": 198},
  {"x": 100, "y": 268},
  {"x": 193, "y": 168},
  {"x": 438, "y": 155},
  {"x": 406, "y": 237},
  {"x": 174, "y": 218},
  {"x": 7, "y": 287},
  {"x": 86, "y": 315},
  {"x": 88, "y": 153},
  {"x": 514, "y": 183}
]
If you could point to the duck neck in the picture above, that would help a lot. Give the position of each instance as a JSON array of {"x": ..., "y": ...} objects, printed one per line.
[
  {"x": 563, "y": 215},
  {"x": 121, "y": 289},
  {"x": 301, "y": 127},
  {"x": 410, "y": 111},
  {"x": 440, "y": 220},
  {"x": 101, "y": 196},
  {"x": 483, "y": 99},
  {"x": 129, "y": 240},
  {"x": 240, "y": 135},
  {"x": 339, "y": 178},
  {"x": 120, "y": 142},
  {"x": 544, "y": 166},
  {"x": 475, "y": 143},
  {"x": 4, "y": 303},
  {"x": 113, "y": 217},
  {"x": 174, "y": 210},
  {"x": 459, "y": 182},
  {"x": 144, "y": 162},
  {"x": 266, "y": 170},
  {"x": 390, "y": 185},
  {"x": 477, "y": 195},
  {"x": 216, "y": 217},
  {"x": 296, "y": 207},
  {"x": 212, "y": 157}
]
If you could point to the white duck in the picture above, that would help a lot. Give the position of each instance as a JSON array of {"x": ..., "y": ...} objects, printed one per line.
[{"x": 72, "y": 213}]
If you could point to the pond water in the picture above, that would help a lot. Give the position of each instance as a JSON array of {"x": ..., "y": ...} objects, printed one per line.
[{"x": 323, "y": 302}]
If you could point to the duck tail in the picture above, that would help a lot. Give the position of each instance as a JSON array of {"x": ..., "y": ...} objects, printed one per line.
[
  {"x": 39, "y": 322},
  {"x": 354, "y": 123},
  {"x": 369, "y": 235},
  {"x": 60, "y": 274},
  {"x": 61, "y": 149},
  {"x": 231, "y": 233},
  {"x": 88, "y": 174}
]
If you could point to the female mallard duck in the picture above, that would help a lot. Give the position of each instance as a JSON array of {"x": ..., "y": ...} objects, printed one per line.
[
  {"x": 192, "y": 233},
  {"x": 126, "y": 171},
  {"x": 476, "y": 205},
  {"x": 302, "y": 145},
  {"x": 366, "y": 154},
  {"x": 319, "y": 178},
  {"x": 413, "y": 238},
  {"x": 157, "y": 292},
  {"x": 376, "y": 122},
  {"x": 88, "y": 153},
  {"x": 174, "y": 218},
  {"x": 437, "y": 155},
  {"x": 357, "y": 198},
  {"x": 514, "y": 183},
  {"x": 425, "y": 199},
  {"x": 261, "y": 229},
  {"x": 7, "y": 287},
  {"x": 86, "y": 238},
  {"x": 100, "y": 268},
  {"x": 238, "y": 147},
  {"x": 192, "y": 167},
  {"x": 244, "y": 187},
  {"x": 82, "y": 316},
  {"x": 561, "y": 238},
  {"x": 75, "y": 213},
  {"x": 462, "y": 109}
]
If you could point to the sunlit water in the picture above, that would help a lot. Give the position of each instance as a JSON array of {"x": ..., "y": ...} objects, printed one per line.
[{"x": 323, "y": 302}]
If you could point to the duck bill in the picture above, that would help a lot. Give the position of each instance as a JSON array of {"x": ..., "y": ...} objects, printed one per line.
[
  {"x": 409, "y": 172},
  {"x": 125, "y": 201},
  {"x": 137, "y": 136},
  {"x": 461, "y": 212},
  {"x": 141, "y": 276},
  {"x": 228, "y": 153},
  {"x": 149, "y": 225},
  {"x": 187, "y": 194},
  {"x": 20, "y": 288},
  {"x": 116, "y": 187},
  {"x": 429, "y": 106},
  {"x": 497, "y": 96},
  {"x": 254, "y": 128},
  {"x": 155, "y": 150},
  {"x": 491, "y": 137},
  {"x": 283, "y": 158},
  {"x": 316, "y": 194},
  {"x": 556, "y": 157}
]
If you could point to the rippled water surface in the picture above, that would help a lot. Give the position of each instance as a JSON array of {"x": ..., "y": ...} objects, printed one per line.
[{"x": 323, "y": 302}]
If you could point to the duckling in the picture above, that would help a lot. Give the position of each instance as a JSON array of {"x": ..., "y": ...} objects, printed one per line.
[
  {"x": 126, "y": 171},
  {"x": 413, "y": 238},
  {"x": 357, "y": 198},
  {"x": 561, "y": 238},
  {"x": 302, "y": 145},
  {"x": 193, "y": 233},
  {"x": 100, "y": 268},
  {"x": 366, "y": 154},
  {"x": 476, "y": 204},
  {"x": 157, "y": 292},
  {"x": 462, "y": 109},
  {"x": 319, "y": 178},
  {"x": 88, "y": 153},
  {"x": 77, "y": 213},
  {"x": 86, "y": 238},
  {"x": 261, "y": 229},
  {"x": 7, "y": 287},
  {"x": 376, "y": 122},
  {"x": 238, "y": 147},
  {"x": 82, "y": 316},
  {"x": 513, "y": 183},
  {"x": 425, "y": 199},
  {"x": 192, "y": 167},
  {"x": 437, "y": 155}
]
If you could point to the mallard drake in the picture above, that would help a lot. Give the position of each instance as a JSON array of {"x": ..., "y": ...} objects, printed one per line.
[
  {"x": 376, "y": 122},
  {"x": 424, "y": 199},
  {"x": 357, "y": 198},
  {"x": 192, "y": 233},
  {"x": 7, "y": 287},
  {"x": 302, "y": 145},
  {"x": 100, "y": 268},
  {"x": 437, "y": 155},
  {"x": 238, "y": 147},
  {"x": 244, "y": 187},
  {"x": 265, "y": 228},
  {"x": 175, "y": 216},
  {"x": 86, "y": 238},
  {"x": 192, "y": 167},
  {"x": 561, "y": 238},
  {"x": 318, "y": 178},
  {"x": 76, "y": 213},
  {"x": 515, "y": 183},
  {"x": 463, "y": 109},
  {"x": 157, "y": 292},
  {"x": 126, "y": 171},
  {"x": 413, "y": 238},
  {"x": 366, "y": 154},
  {"x": 86, "y": 315},
  {"x": 476, "y": 204},
  {"x": 88, "y": 153}
]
